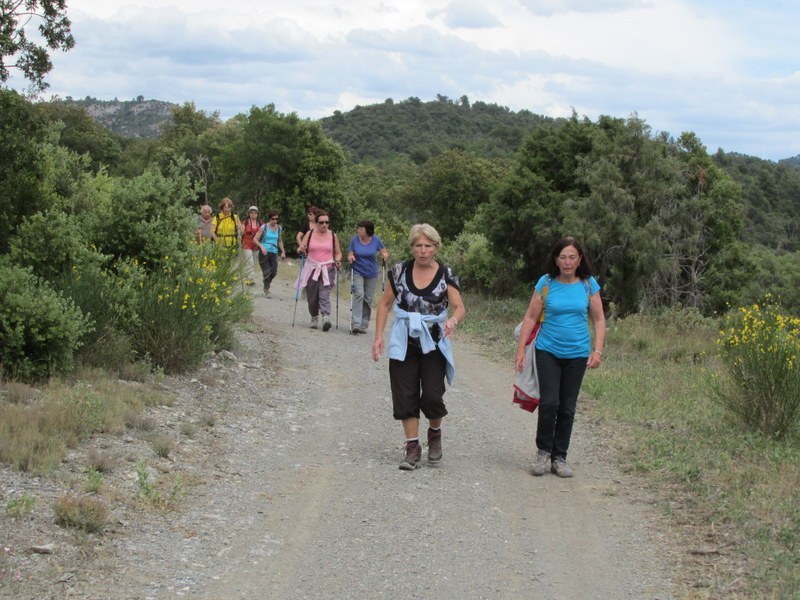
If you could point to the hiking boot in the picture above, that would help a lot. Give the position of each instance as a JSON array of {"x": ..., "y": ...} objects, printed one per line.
[
  {"x": 362, "y": 330},
  {"x": 540, "y": 462},
  {"x": 434, "y": 446},
  {"x": 326, "y": 323},
  {"x": 314, "y": 322},
  {"x": 412, "y": 456},
  {"x": 355, "y": 331},
  {"x": 267, "y": 293},
  {"x": 560, "y": 467}
]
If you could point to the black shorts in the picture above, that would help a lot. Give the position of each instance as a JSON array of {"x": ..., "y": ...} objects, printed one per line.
[{"x": 418, "y": 384}]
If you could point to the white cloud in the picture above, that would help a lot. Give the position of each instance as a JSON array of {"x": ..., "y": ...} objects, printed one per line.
[{"x": 725, "y": 71}]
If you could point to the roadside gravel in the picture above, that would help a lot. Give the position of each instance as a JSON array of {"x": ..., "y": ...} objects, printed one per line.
[{"x": 293, "y": 491}]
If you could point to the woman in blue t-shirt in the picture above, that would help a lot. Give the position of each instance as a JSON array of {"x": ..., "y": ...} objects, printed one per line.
[
  {"x": 563, "y": 300},
  {"x": 361, "y": 256}
]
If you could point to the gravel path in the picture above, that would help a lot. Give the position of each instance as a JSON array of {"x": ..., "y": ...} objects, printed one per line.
[{"x": 295, "y": 491}]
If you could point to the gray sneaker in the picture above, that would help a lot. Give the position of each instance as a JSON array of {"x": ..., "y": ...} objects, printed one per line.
[
  {"x": 326, "y": 323},
  {"x": 412, "y": 457},
  {"x": 314, "y": 322},
  {"x": 540, "y": 462},
  {"x": 561, "y": 468}
]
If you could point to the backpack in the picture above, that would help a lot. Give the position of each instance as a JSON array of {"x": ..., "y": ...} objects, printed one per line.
[{"x": 333, "y": 241}]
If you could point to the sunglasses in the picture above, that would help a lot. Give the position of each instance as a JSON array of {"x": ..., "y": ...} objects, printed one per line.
[
  {"x": 323, "y": 222},
  {"x": 273, "y": 218}
]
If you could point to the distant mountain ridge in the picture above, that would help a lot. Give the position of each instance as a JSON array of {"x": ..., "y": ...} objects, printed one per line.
[{"x": 137, "y": 118}]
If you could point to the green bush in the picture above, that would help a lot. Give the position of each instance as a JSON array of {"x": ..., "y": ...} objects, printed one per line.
[
  {"x": 51, "y": 245},
  {"x": 145, "y": 220},
  {"x": 182, "y": 315},
  {"x": 40, "y": 330},
  {"x": 472, "y": 259},
  {"x": 760, "y": 354}
]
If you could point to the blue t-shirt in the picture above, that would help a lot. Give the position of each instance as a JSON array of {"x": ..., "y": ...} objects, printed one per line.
[
  {"x": 565, "y": 329},
  {"x": 365, "y": 263},
  {"x": 269, "y": 239}
]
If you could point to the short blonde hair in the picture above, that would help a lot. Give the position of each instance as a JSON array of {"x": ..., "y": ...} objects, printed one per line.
[{"x": 423, "y": 229}]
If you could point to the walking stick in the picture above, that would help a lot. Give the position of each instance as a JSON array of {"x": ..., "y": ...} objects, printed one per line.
[
  {"x": 297, "y": 287},
  {"x": 383, "y": 281},
  {"x": 337, "y": 298},
  {"x": 352, "y": 289}
]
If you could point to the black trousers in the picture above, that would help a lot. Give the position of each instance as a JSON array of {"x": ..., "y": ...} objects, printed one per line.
[
  {"x": 559, "y": 383},
  {"x": 418, "y": 384}
]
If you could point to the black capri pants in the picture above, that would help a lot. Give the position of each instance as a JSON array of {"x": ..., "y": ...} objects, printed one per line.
[{"x": 418, "y": 384}]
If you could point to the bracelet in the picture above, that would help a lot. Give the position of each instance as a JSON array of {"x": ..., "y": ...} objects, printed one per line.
[{"x": 599, "y": 352}]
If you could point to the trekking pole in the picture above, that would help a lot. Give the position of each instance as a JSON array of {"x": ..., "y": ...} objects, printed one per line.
[
  {"x": 352, "y": 289},
  {"x": 297, "y": 287},
  {"x": 337, "y": 298},
  {"x": 383, "y": 281}
]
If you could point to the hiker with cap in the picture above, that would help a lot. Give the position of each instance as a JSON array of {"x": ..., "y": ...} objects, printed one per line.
[{"x": 250, "y": 248}]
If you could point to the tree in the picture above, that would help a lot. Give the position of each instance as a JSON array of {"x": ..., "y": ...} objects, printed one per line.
[
  {"x": 22, "y": 171},
  {"x": 18, "y": 51}
]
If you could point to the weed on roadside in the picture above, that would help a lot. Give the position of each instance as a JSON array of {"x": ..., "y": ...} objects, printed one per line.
[
  {"x": 80, "y": 512},
  {"x": 20, "y": 506}
]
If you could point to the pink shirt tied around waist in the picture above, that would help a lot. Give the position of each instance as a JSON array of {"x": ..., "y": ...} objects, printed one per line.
[{"x": 320, "y": 257}]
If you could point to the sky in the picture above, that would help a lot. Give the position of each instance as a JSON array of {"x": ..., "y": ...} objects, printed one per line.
[{"x": 727, "y": 70}]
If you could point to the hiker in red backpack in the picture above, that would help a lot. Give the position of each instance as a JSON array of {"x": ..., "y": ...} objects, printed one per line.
[
  {"x": 320, "y": 271},
  {"x": 563, "y": 348},
  {"x": 250, "y": 248}
]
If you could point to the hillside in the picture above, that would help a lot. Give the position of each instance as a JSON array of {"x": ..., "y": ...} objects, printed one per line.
[
  {"x": 138, "y": 118},
  {"x": 423, "y": 129}
]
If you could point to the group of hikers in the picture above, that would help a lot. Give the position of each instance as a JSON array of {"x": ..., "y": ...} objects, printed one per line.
[{"x": 554, "y": 349}]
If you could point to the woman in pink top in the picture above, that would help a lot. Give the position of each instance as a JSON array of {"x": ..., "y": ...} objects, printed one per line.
[{"x": 321, "y": 246}]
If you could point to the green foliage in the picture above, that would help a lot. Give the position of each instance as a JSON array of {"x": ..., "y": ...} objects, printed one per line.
[
  {"x": 31, "y": 57},
  {"x": 146, "y": 220},
  {"x": 418, "y": 131},
  {"x": 472, "y": 259},
  {"x": 20, "y": 506},
  {"x": 94, "y": 480},
  {"x": 21, "y": 168},
  {"x": 448, "y": 189},
  {"x": 40, "y": 330},
  {"x": 182, "y": 315},
  {"x": 283, "y": 162},
  {"x": 37, "y": 237},
  {"x": 760, "y": 352},
  {"x": 82, "y": 134}
]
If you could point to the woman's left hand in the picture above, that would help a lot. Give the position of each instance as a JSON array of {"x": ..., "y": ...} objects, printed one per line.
[
  {"x": 450, "y": 326},
  {"x": 595, "y": 360}
]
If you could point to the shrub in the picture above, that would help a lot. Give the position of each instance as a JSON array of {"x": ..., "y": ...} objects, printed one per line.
[
  {"x": 80, "y": 512},
  {"x": 760, "y": 354},
  {"x": 39, "y": 328},
  {"x": 472, "y": 259},
  {"x": 183, "y": 315}
]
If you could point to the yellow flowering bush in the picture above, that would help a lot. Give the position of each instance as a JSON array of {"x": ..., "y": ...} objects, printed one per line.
[
  {"x": 184, "y": 313},
  {"x": 760, "y": 353}
]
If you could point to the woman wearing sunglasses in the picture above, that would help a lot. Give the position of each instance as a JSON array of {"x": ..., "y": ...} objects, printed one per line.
[
  {"x": 321, "y": 246},
  {"x": 270, "y": 241}
]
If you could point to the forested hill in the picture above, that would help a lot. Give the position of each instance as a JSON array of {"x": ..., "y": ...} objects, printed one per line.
[{"x": 421, "y": 130}]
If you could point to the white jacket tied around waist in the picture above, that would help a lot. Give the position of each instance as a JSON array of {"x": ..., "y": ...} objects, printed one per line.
[{"x": 412, "y": 324}]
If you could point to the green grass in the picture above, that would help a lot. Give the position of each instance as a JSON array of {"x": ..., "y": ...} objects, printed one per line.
[{"x": 739, "y": 489}]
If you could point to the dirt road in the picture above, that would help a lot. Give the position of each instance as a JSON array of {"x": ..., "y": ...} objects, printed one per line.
[{"x": 297, "y": 494}]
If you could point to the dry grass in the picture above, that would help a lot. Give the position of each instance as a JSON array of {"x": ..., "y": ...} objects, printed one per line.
[
  {"x": 36, "y": 433},
  {"x": 81, "y": 512}
]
